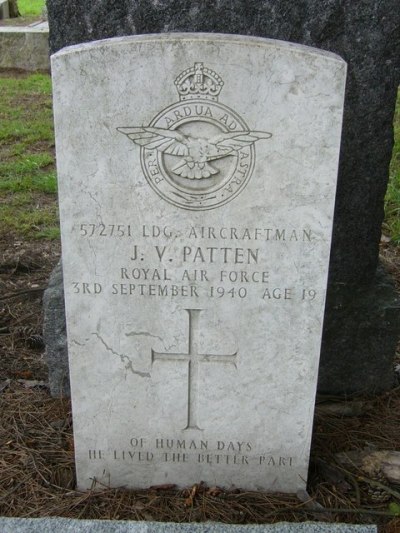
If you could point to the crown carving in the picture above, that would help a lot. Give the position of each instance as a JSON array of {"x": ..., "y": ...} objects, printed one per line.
[{"x": 198, "y": 82}]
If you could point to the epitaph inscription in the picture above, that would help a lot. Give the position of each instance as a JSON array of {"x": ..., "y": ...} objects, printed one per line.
[{"x": 196, "y": 239}]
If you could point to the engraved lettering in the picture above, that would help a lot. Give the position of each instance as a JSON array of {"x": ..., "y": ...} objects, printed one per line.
[
  {"x": 277, "y": 294},
  {"x": 135, "y": 442},
  {"x": 175, "y": 457},
  {"x": 87, "y": 288},
  {"x": 225, "y": 254},
  {"x": 95, "y": 454},
  {"x": 195, "y": 275},
  {"x": 135, "y": 253},
  {"x": 160, "y": 251}
]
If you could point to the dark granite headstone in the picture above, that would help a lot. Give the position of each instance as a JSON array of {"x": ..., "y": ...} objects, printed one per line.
[
  {"x": 55, "y": 334},
  {"x": 363, "y": 312}
]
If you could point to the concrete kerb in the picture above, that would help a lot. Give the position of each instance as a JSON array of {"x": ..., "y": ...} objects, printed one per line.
[{"x": 67, "y": 525}]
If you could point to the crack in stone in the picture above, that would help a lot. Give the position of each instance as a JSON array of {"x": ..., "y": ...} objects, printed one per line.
[
  {"x": 146, "y": 334},
  {"x": 98, "y": 213},
  {"x": 94, "y": 198},
  {"x": 143, "y": 333},
  {"x": 95, "y": 257},
  {"x": 124, "y": 358},
  {"x": 73, "y": 341}
]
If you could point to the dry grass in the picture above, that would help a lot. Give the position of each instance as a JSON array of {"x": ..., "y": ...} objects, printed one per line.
[{"x": 37, "y": 472}]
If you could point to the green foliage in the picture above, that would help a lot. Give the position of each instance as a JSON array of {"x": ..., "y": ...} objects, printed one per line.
[
  {"x": 24, "y": 217},
  {"x": 26, "y": 109},
  {"x": 28, "y": 182},
  {"x": 394, "y": 509},
  {"x": 46, "y": 183},
  {"x": 392, "y": 199},
  {"x": 29, "y": 8}
]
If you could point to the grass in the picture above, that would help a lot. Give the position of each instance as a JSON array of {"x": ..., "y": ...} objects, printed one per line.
[
  {"x": 28, "y": 182},
  {"x": 30, "y": 8},
  {"x": 392, "y": 200}
]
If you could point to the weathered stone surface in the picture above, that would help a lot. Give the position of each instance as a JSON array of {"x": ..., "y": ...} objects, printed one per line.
[
  {"x": 4, "y": 9},
  {"x": 24, "y": 48},
  {"x": 196, "y": 221},
  {"x": 68, "y": 525},
  {"x": 365, "y": 34},
  {"x": 55, "y": 336}
]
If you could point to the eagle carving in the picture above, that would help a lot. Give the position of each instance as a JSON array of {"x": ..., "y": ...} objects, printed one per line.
[{"x": 195, "y": 153}]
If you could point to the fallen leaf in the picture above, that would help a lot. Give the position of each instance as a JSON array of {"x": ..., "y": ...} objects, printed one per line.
[
  {"x": 31, "y": 383},
  {"x": 214, "y": 491},
  {"x": 192, "y": 494},
  {"x": 4, "y": 384},
  {"x": 25, "y": 374},
  {"x": 139, "y": 506}
]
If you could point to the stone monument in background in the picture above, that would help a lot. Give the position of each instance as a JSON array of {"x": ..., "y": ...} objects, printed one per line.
[{"x": 362, "y": 314}]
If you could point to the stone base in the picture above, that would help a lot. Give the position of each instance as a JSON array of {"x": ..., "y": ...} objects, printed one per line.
[
  {"x": 24, "y": 48},
  {"x": 362, "y": 327}
]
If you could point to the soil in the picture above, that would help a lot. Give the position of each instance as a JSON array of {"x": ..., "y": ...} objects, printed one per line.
[
  {"x": 24, "y": 272},
  {"x": 37, "y": 465},
  {"x": 18, "y": 73}
]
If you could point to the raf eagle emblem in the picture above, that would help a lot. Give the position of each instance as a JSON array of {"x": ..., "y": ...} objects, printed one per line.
[{"x": 195, "y": 153}]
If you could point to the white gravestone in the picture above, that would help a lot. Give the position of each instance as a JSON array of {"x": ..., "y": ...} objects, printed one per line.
[{"x": 197, "y": 179}]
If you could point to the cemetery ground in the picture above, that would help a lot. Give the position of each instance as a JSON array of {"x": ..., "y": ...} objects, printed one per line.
[{"x": 36, "y": 442}]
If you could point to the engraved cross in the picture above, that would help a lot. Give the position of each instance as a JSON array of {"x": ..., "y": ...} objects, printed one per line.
[{"x": 193, "y": 359}]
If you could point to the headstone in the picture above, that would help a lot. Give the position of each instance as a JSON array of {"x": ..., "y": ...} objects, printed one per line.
[
  {"x": 4, "y": 9},
  {"x": 25, "y": 47},
  {"x": 55, "y": 335},
  {"x": 197, "y": 178},
  {"x": 362, "y": 317}
]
